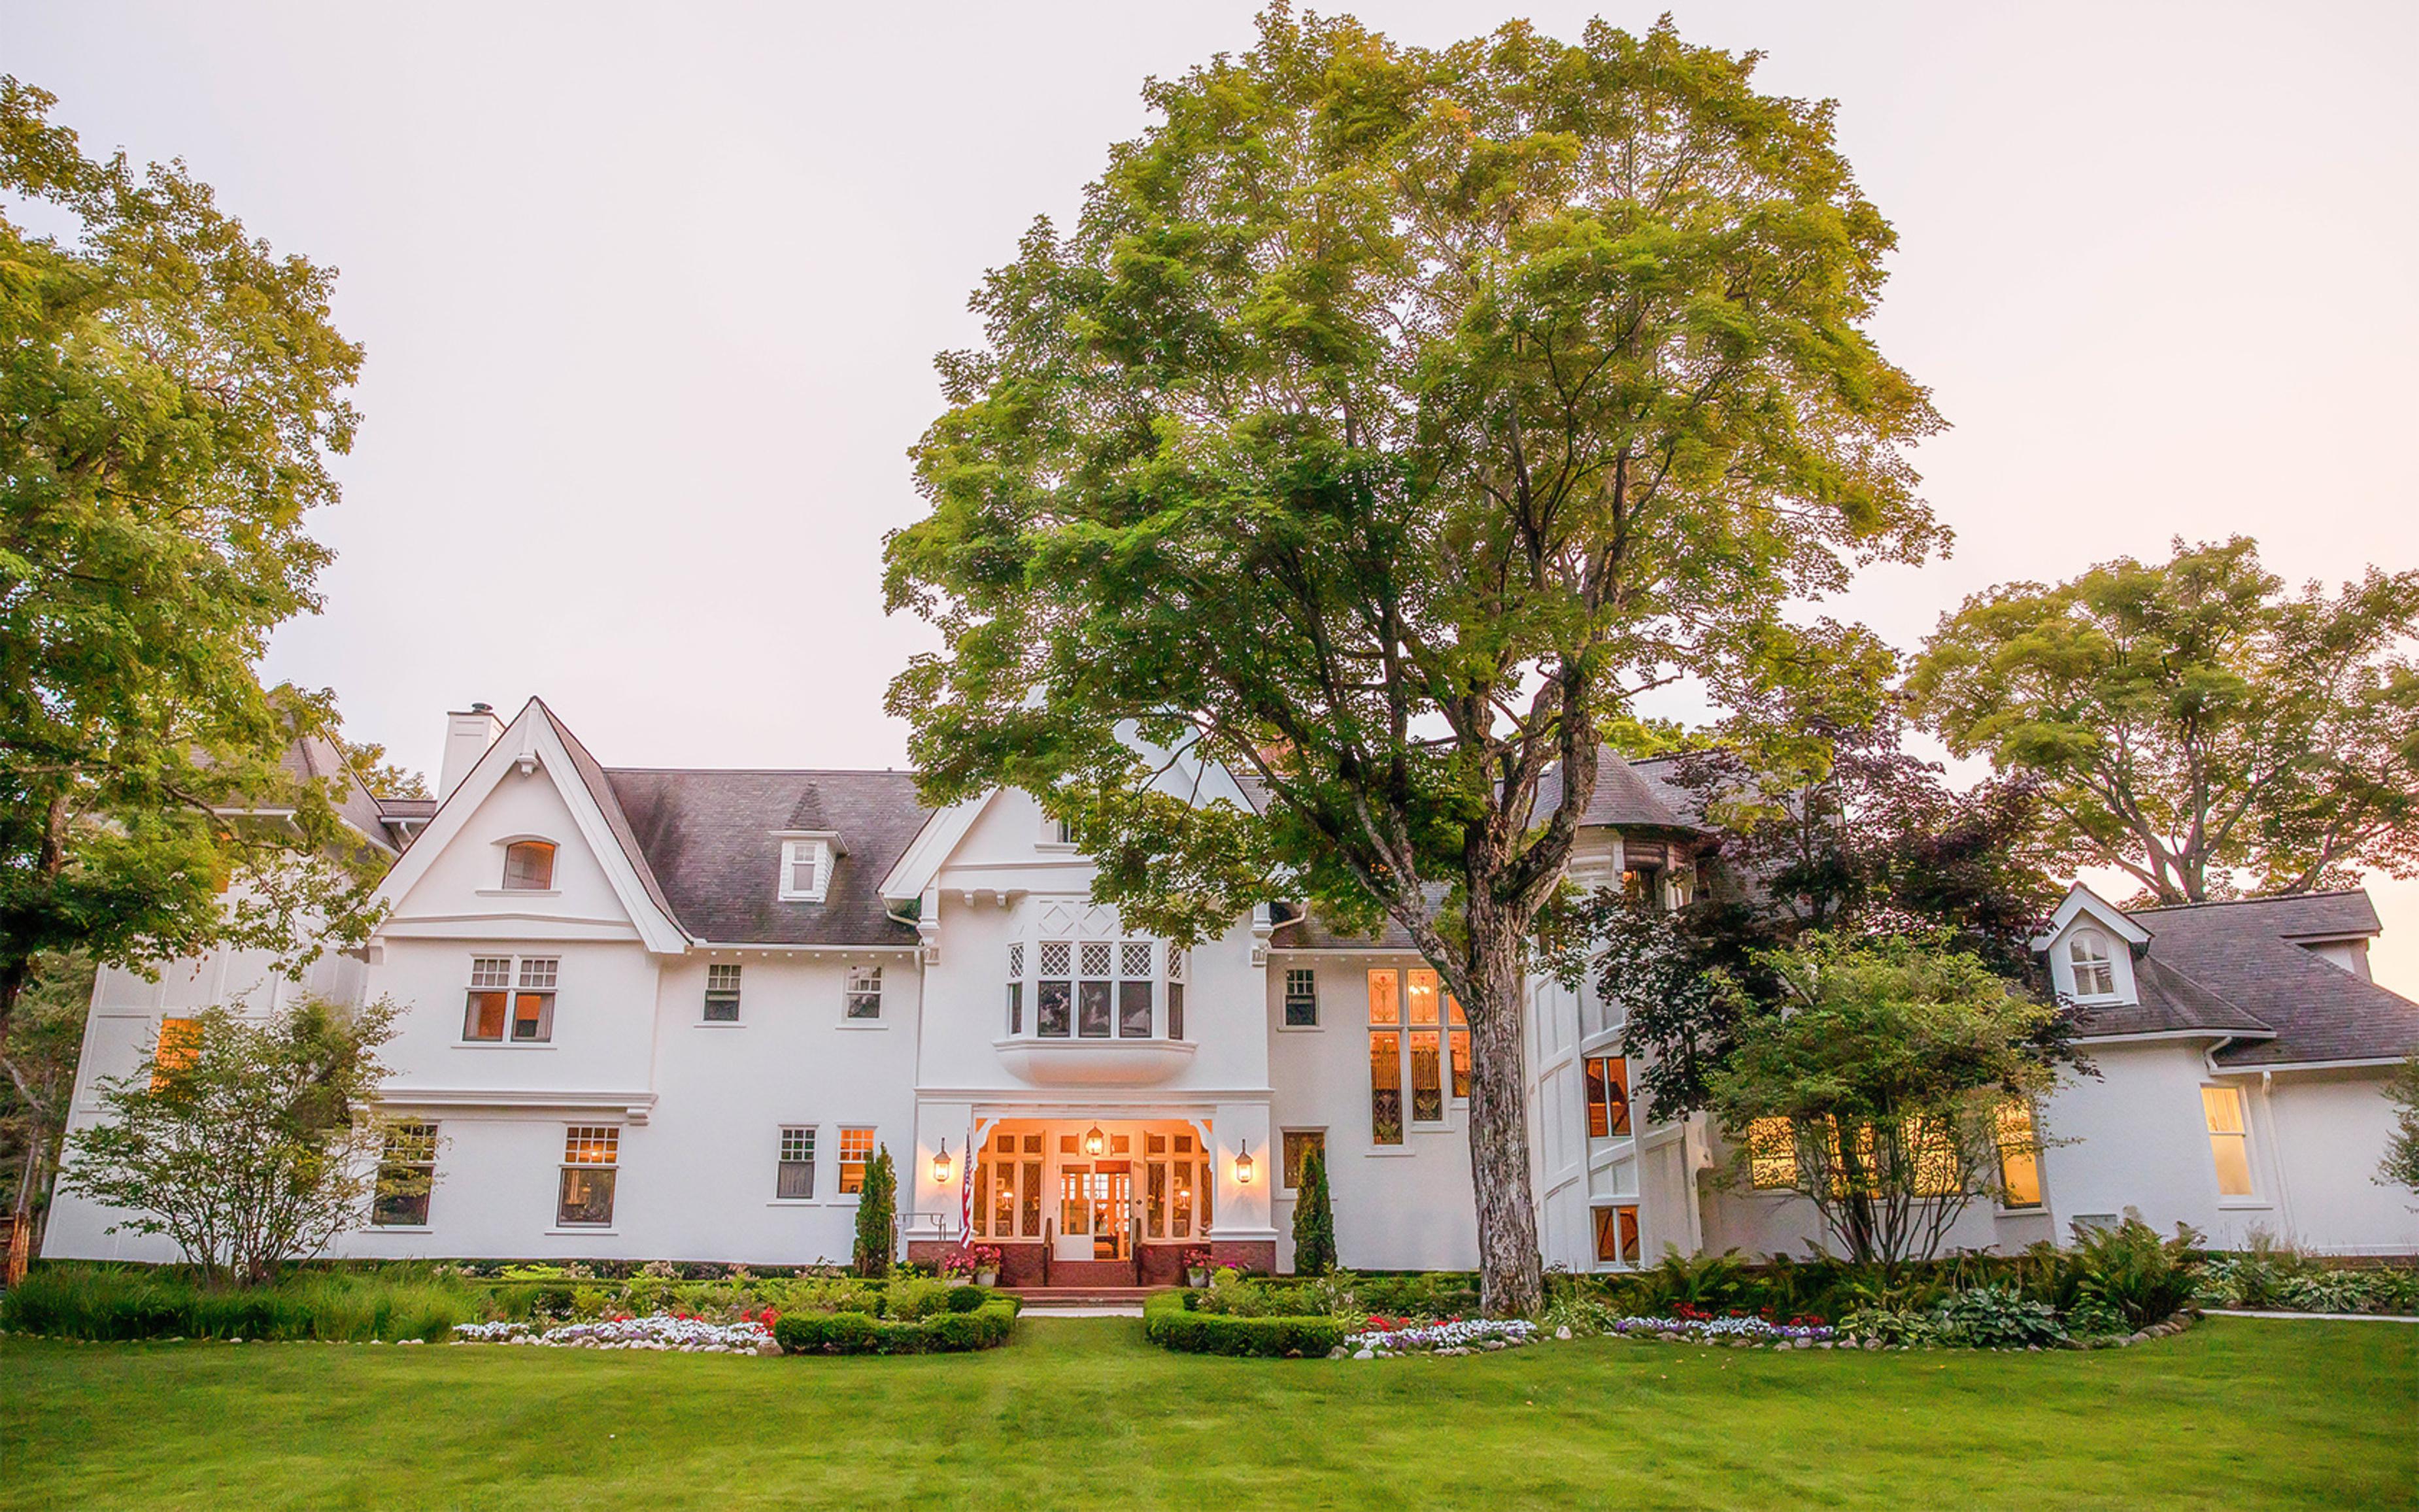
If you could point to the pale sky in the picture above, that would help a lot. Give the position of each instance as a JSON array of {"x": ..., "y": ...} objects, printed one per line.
[{"x": 651, "y": 293}]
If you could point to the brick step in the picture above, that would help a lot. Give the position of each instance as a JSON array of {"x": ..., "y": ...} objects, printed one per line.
[{"x": 1082, "y": 1296}]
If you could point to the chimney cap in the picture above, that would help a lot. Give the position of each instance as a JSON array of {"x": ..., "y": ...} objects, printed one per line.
[{"x": 481, "y": 708}]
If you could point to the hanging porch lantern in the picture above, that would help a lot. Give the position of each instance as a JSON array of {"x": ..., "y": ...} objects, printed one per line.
[{"x": 1095, "y": 1142}]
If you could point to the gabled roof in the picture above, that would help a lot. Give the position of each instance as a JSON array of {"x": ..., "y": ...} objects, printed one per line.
[
  {"x": 316, "y": 758},
  {"x": 712, "y": 839},
  {"x": 591, "y": 777},
  {"x": 2243, "y": 954},
  {"x": 1624, "y": 797}
]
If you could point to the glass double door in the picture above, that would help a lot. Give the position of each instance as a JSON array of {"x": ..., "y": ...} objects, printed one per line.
[{"x": 1096, "y": 1211}]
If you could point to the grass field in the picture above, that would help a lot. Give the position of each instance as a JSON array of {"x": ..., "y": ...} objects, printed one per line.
[{"x": 1083, "y": 1415}]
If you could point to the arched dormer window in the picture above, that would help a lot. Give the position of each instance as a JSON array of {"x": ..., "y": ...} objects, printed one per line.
[
  {"x": 529, "y": 866},
  {"x": 2087, "y": 950}
]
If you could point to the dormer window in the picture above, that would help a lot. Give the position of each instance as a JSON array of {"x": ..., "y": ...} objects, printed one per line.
[
  {"x": 529, "y": 866},
  {"x": 805, "y": 870},
  {"x": 2095, "y": 975}
]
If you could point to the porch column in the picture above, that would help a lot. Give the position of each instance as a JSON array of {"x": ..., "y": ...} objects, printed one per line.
[{"x": 1241, "y": 1233}]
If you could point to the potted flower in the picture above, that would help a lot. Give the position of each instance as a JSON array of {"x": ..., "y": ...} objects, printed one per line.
[
  {"x": 1196, "y": 1267},
  {"x": 986, "y": 1259}
]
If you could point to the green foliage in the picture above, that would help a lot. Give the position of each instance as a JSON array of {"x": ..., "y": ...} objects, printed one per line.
[
  {"x": 170, "y": 395},
  {"x": 1998, "y": 1317},
  {"x": 119, "y": 1302},
  {"x": 1314, "y": 1219},
  {"x": 1168, "y": 1323},
  {"x": 876, "y": 1216},
  {"x": 2192, "y": 724},
  {"x": 250, "y": 1147},
  {"x": 1888, "y": 1073},
  {"x": 39, "y": 1051},
  {"x": 966, "y": 1299},
  {"x": 2272, "y": 1276},
  {"x": 2130, "y": 1269},
  {"x": 987, "y": 1326},
  {"x": 1390, "y": 418},
  {"x": 2400, "y": 1166}
]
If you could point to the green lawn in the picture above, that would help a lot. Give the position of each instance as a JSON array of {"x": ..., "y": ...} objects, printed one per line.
[{"x": 2234, "y": 1414}]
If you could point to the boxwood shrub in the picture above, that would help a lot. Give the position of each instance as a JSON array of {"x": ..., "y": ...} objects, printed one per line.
[
  {"x": 987, "y": 1326},
  {"x": 1168, "y": 1322}
]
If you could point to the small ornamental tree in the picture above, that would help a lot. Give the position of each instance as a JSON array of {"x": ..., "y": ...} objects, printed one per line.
[
  {"x": 1391, "y": 418},
  {"x": 2400, "y": 1166},
  {"x": 1314, "y": 1219},
  {"x": 1884, "y": 1094},
  {"x": 249, "y": 1142},
  {"x": 876, "y": 1216}
]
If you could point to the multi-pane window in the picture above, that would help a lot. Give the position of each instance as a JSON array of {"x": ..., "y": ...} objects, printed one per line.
[
  {"x": 591, "y": 1152},
  {"x": 1053, "y": 1005},
  {"x": 865, "y": 992},
  {"x": 1608, "y": 1097},
  {"x": 2020, "y": 1184},
  {"x": 1414, "y": 1025},
  {"x": 502, "y": 1006},
  {"x": 806, "y": 870},
  {"x": 1299, "y": 1143},
  {"x": 1772, "y": 1154},
  {"x": 1175, "y": 1187},
  {"x": 722, "y": 995},
  {"x": 180, "y": 1044},
  {"x": 856, "y": 1154},
  {"x": 1134, "y": 987},
  {"x": 529, "y": 864},
  {"x": 1016, "y": 988},
  {"x": 793, "y": 1179},
  {"x": 1008, "y": 1188},
  {"x": 1300, "y": 998},
  {"x": 1616, "y": 1234},
  {"x": 2094, "y": 974},
  {"x": 1092, "y": 990},
  {"x": 2229, "y": 1139},
  {"x": 407, "y": 1170},
  {"x": 1176, "y": 963}
]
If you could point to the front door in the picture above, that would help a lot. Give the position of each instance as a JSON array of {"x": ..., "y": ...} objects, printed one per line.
[{"x": 1095, "y": 1212}]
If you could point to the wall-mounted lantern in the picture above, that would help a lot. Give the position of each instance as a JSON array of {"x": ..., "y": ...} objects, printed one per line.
[{"x": 1243, "y": 1166}]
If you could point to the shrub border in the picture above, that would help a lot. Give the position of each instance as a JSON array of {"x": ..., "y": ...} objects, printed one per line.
[
  {"x": 1169, "y": 1322},
  {"x": 986, "y": 1327}
]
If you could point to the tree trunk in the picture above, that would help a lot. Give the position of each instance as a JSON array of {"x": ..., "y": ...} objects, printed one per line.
[
  {"x": 21, "y": 1228},
  {"x": 1510, "y": 1283}
]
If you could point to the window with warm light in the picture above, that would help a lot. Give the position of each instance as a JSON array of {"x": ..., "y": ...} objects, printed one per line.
[
  {"x": 2095, "y": 974},
  {"x": 1008, "y": 1188},
  {"x": 178, "y": 1046},
  {"x": 1416, "y": 1032},
  {"x": 856, "y": 1154},
  {"x": 1608, "y": 1097},
  {"x": 1616, "y": 1234},
  {"x": 591, "y": 1154},
  {"x": 506, "y": 1007},
  {"x": 2020, "y": 1183},
  {"x": 529, "y": 866},
  {"x": 1298, "y": 1145},
  {"x": 1771, "y": 1155},
  {"x": 2229, "y": 1139},
  {"x": 1177, "y": 1178}
]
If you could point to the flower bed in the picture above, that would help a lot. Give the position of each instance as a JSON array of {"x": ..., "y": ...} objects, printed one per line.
[
  {"x": 1403, "y": 1333},
  {"x": 657, "y": 1331},
  {"x": 1705, "y": 1330}
]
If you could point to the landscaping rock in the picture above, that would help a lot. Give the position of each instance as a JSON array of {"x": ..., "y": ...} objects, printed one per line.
[
  {"x": 1563, "y": 1331},
  {"x": 1336, "y": 1353},
  {"x": 769, "y": 1350},
  {"x": 1364, "y": 1355}
]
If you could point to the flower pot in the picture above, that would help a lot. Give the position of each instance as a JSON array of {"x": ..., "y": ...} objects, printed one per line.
[
  {"x": 958, "y": 1280},
  {"x": 989, "y": 1278},
  {"x": 1197, "y": 1277}
]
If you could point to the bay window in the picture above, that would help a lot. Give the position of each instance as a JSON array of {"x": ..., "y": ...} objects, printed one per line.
[
  {"x": 1608, "y": 1097},
  {"x": 1096, "y": 990},
  {"x": 1616, "y": 1234}
]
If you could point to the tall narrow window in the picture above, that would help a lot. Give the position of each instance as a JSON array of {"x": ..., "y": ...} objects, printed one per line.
[
  {"x": 1458, "y": 1035},
  {"x": 722, "y": 995},
  {"x": 865, "y": 992},
  {"x": 1300, "y": 998},
  {"x": 2229, "y": 1139},
  {"x": 534, "y": 1000},
  {"x": 1608, "y": 1097},
  {"x": 407, "y": 1169},
  {"x": 1385, "y": 1058},
  {"x": 1176, "y": 960},
  {"x": 179, "y": 1045},
  {"x": 1092, "y": 991},
  {"x": 1135, "y": 988},
  {"x": 2019, "y": 1157},
  {"x": 1053, "y": 1006},
  {"x": 1616, "y": 1234},
  {"x": 1016, "y": 988},
  {"x": 856, "y": 1154},
  {"x": 2094, "y": 976},
  {"x": 490, "y": 999},
  {"x": 591, "y": 1154},
  {"x": 529, "y": 866},
  {"x": 794, "y": 1178},
  {"x": 1772, "y": 1154}
]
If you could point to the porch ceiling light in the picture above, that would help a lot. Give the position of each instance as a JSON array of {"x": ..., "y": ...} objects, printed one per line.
[
  {"x": 1095, "y": 1142},
  {"x": 941, "y": 1165},
  {"x": 1243, "y": 1166}
]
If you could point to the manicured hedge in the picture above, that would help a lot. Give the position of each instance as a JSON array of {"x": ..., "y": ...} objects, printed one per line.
[
  {"x": 986, "y": 1326},
  {"x": 1170, "y": 1323}
]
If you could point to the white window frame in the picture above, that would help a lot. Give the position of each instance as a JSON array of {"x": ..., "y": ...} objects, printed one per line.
[
  {"x": 802, "y": 849},
  {"x": 785, "y": 1145},
  {"x": 840, "y": 1161},
  {"x": 553, "y": 860},
  {"x": 722, "y": 988},
  {"x": 608, "y": 1135},
  {"x": 861, "y": 983},
  {"x": 526, "y": 975},
  {"x": 1306, "y": 976},
  {"x": 1164, "y": 974},
  {"x": 1638, "y": 1218},
  {"x": 418, "y": 1154},
  {"x": 2251, "y": 1199},
  {"x": 1445, "y": 1029},
  {"x": 2105, "y": 964},
  {"x": 1283, "y": 1133}
]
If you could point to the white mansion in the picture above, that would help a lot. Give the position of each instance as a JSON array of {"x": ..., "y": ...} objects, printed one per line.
[{"x": 671, "y": 1014}]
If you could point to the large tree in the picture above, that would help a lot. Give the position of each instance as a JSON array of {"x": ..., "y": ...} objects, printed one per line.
[
  {"x": 2192, "y": 723},
  {"x": 170, "y": 391},
  {"x": 1390, "y": 418}
]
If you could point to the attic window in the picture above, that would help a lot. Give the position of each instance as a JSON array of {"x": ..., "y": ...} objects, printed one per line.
[
  {"x": 805, "y": 870},
  {"x": 2094, "y": 976},
  {"x": 529, "y": 866}
]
